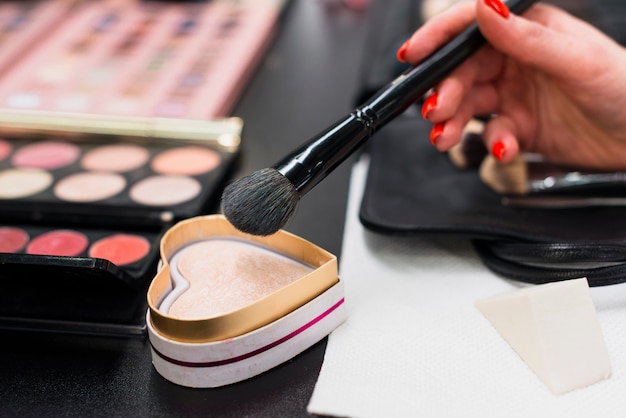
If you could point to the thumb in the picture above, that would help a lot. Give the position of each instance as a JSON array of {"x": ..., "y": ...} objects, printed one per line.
[{"x": 526, "y": 38}]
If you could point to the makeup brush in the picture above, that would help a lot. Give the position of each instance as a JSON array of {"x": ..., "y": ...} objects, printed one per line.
[
  {"x": 529, "y": 175},
  {"x": 261, "y": 203},
  {"x": 471, "y": 150}
]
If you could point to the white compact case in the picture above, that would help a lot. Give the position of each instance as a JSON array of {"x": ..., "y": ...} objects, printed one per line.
[{"x": 195, "y": 343}]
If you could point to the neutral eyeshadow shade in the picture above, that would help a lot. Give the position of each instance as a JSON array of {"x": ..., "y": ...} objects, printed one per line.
[
  {"x": 117, "y": 158},
  {"x": 165, "y": 190},
  {"x": 120, "y": 249},
  {"x": 225, "y": 275},
  {"x": 62, "y": 242},
  {"x": 89, "y": 186},
  {"x": 12, "y": 239},
  {"x": 5, "y": 149},
  {"x": 19, "y": 183},
  {"x": 188, "y": 161},
  {"x": 47, "y": 154}
]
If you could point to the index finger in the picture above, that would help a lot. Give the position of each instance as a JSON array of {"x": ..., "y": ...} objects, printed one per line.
[{"x": 438, "y": 30}]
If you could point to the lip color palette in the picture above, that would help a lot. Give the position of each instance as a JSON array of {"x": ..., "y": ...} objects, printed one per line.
[{"x": 113, "y": 125}]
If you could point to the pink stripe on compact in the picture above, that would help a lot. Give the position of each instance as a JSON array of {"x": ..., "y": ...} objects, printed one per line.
[{"x": 258, "y": 350}]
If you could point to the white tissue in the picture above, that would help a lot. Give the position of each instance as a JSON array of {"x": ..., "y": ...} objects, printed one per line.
[{"x": 414, "y": 345}]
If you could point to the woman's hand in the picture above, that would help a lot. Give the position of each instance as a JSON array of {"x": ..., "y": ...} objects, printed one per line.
[{"x": 552, "y": 84}]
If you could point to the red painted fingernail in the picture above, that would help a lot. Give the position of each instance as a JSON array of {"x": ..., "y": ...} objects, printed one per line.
[
  {"x": 498, "y": 150},
  {"x": 499, "y": 7},
  {"x": 436, "y": 132},
  {"x": 401, "y": 54},
  {"x": 429, "y": 104}
]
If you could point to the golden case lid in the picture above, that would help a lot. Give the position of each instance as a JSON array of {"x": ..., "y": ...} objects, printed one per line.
[{"x": 252, "y": 316}]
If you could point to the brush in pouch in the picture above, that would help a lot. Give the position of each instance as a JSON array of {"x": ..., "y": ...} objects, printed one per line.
[{"x": 412, "y": 188}]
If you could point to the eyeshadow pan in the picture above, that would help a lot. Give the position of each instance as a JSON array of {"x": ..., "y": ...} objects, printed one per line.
[
  {"x": 17, "y": 182},
  {"x": 5, "y": 149},
  {"x": 120, "y": 249},
  {"x": 187, "y": 161},
  {"x": 62, "y": 242},
  {"x": 165, "y": 190},
  {"x": 89, "y": 186},
  {"x": 46, "y": 155},
  {"x": 117, "y": 158},
  {"x": 12, "y": 239}
]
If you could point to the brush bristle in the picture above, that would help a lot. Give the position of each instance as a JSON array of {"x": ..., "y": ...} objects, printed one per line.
[
  {"x": 469, "y": 153},
  {"x": 261, "y": 203},
  {"x": 507, "y": 179}
]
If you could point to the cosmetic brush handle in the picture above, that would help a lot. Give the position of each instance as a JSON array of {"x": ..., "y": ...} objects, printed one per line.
[{"x": 312, "y": 162}]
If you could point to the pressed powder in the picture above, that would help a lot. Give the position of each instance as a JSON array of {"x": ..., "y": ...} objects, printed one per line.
[
  {"x": 46, "y": 155},
  {"x": 89, "y": 186},
  {"x": 118, "y": 158},
  {"x": 189, "y": 161},
  {"x": 17, "y": 182},
  {"x": 226, "y": 306},
  {"x": 165, "y": 190},
  {"x": 227, "y": 274}
]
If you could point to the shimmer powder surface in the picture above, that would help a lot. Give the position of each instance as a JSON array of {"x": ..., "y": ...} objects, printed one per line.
[
  {"x": 117, "y": 158},
  {"x": 89, "y": 186},
  {"x": 47, "y": 154},
  {"x": 62, "y": 242},
  {"x": 225, "y": 275},
  {"x": 120, "y": 249},
  {"x": 189, "y": 161},
  {"x": 18, "y": 183},
  {"x": 12, "y": 239},
  {"x": 165, "y": 190}
]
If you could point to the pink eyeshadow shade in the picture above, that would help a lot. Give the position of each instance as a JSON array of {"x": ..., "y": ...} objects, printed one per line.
[
  {"x": 12, "y": 239},
  {"x": 187, "y": 161},
  {"x": 46, "y": 155},
  {"x": 89, "y": 186},
  {"x": 117, "y": 158},
  {"x": 120, "y": 249},
  {"x": 165, "y": 190},
  {"x": 60, "y": 242},
  {"x": 5, "y": 149}
]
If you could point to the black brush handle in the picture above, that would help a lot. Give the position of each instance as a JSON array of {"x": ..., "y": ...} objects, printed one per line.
[{"x": 312, "y": 162}]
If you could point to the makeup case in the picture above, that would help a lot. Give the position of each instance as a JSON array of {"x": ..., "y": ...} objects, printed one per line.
[{"x": 414, "y": 189}]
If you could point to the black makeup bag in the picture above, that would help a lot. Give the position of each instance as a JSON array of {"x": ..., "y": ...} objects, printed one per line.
[{"x": 412, "y": 188}]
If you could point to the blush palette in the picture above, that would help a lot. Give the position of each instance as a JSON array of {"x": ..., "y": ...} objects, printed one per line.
[{"x": 114, "y": 124}]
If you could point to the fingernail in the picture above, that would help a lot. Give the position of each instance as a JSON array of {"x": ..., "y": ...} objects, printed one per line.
[
  {"x": 401, "y": 54},
  {"x": 499, "y": 7},
  {"x": 429, "y": 104},
  {"x": 436, "y": 132},
  {"x": 498, "y": 150}
]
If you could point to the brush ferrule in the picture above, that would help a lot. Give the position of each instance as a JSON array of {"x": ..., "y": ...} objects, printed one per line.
[{"x": 310, "y": 164}]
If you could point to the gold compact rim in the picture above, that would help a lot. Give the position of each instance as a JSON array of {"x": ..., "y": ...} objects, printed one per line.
[{"x": 249, "y": 317}]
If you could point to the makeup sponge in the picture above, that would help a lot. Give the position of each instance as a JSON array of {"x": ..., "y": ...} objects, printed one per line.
[{"x": 554, "y": 328}]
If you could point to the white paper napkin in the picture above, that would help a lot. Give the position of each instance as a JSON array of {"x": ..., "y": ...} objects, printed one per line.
[{"x": 414, "y": 345}]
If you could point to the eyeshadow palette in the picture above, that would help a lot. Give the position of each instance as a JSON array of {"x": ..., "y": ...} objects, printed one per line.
[
  {"x": 146, "y": 181},
  {"x": 141, "y": 58}
]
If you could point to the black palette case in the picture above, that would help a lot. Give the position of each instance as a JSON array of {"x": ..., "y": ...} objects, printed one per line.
[{"x": 414, "y": 189}]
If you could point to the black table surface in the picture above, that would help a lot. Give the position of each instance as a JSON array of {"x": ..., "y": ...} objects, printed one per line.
[{"x": 307, "y": 80}]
